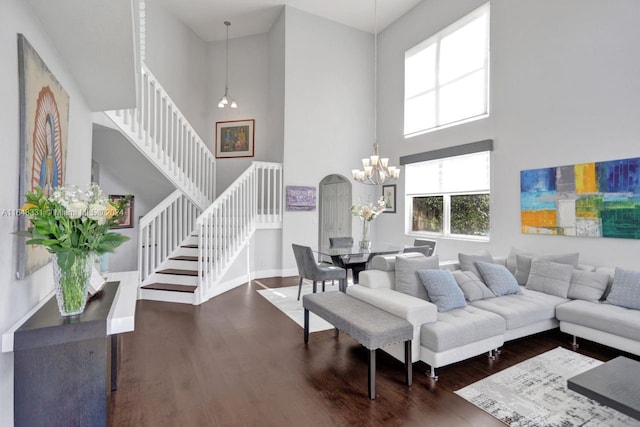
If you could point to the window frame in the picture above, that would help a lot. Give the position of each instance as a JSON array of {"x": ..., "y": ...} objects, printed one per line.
[
  {"x": 440, "y": 157},
  {"x": 446, "y": 217},
  {"x": 436, "y": 40}
]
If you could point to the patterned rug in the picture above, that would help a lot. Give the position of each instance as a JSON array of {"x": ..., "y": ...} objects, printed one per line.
[
  {"x": 285, "y": 299},
  {"x": 534, "y": 393}
]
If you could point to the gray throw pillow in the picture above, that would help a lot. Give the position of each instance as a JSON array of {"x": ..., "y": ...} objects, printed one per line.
[
  {"x": 498, "y": 278},
  {"x": 588, "y": 285},
  {"x": 467, "y": 260},
  {"x": 549, "y": 277},
  {"x": 523, "y": 263},
  {"x": 511, "y": 258},
  {"x": 407, "y": 267},
  {"x": 625, "y": 289},
  {"x": 471, "y": 285},
  {"x": 442, "y": 289}
]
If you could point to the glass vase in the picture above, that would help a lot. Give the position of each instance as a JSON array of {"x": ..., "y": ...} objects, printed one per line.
[
  {"x": 71, "y": 275},
  {"x": 364, "y": 243}
]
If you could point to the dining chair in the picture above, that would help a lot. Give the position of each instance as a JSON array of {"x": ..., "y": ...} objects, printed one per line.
[
  {"x": 309, "y": 269},
  {"x": 426, "y": 247}
]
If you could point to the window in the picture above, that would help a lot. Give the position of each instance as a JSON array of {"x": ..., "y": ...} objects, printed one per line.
[
  {"x": 447, "y": 76},
  {"x": 449, "y": 196}
]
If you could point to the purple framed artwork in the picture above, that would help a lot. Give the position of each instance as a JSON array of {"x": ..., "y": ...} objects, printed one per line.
[{"x": 301, "y": 198}]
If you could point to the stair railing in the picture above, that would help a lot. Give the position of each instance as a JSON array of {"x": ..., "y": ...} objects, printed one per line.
[
  {"x": 253, "y": 201},
  {"x": 162, "y": 133},
  {"x": 162, "y": 229}
]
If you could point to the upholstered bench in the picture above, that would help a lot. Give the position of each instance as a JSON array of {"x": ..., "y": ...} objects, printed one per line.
[{"x": 370, "y": 326}]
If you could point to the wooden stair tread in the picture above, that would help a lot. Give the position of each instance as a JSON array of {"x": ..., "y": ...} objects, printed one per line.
[
  {"x": 171, "y": 287},
  {"x": 184, "y": 258},
  {"x": 179, "y": 272}
]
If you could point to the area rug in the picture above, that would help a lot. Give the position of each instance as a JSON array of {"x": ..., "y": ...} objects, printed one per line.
[
  {"x": 534, "y": 393},
  {"x": 285, "y": 300}
]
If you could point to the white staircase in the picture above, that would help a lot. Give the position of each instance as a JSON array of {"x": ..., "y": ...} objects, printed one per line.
[
  {"x": 164, "y": 136},
  {"x": 189, "y": 241}
]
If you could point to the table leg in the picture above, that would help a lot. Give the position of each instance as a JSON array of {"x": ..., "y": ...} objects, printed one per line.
[
  {"x": 114, "y": 362},
  {"x": 372, "y": 374},
  {"x": 408, "y": 365},
  {"x": 306, "y": 326},
  {"x": 355, "y": 271}
]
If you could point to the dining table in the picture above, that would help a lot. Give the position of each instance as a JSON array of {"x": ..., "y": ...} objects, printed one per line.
[{"x": 355, "y": 257}]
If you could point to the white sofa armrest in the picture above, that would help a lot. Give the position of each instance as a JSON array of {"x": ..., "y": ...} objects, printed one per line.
[
  {"x": 377, "y": 279},
  {"x": 415, "y": 310}
]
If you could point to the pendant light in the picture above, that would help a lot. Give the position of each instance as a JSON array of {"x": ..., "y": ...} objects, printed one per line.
[
  {"x": 226, "y": 99},
  {"x": 376, "y": 170}
]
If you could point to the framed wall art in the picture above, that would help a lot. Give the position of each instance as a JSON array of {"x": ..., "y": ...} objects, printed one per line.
[
  {"x": 300, "y": 198},
  {"x": 127, "y": 220},
  {"x": 235, "y": 139},
  {"x": 599, "y": 199},
  {"x": 389, "y": 195},
  {"x": 44, "y": 124}
]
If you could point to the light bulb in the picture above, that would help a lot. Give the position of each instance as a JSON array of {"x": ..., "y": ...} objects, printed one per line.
[{"x": 233, "y": 104}]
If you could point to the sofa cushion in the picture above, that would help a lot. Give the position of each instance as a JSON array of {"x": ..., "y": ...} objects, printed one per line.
[
  {"x": 625, "y": 289},
  {"x": 523, "y": 263},
  {"x": 498, "y": 278},
  {"x": 587, "y": 285},
  {"x": 467, "y": 261},
  {"x": 407, "y": 268},
  {"x": 459, "y": 327},
  {"x": 472, "y": 287},
  {"x": 388, "y": 262},
  {"x": 549, "y": 277},
  {"x": 442, "y": 289},
  {"x": 609, "y": 318},
  {"x": 522, "y": 310},
  {"x": 511, "y": 260}
]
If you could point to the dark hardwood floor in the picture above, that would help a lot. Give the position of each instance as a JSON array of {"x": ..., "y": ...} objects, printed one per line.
[{"x": 238, "y": 361}]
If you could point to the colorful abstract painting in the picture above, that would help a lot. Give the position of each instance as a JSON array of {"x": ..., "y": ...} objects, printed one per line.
[
  {"x": 44, "y": 123},
  {"x": 600, "y": 199}
]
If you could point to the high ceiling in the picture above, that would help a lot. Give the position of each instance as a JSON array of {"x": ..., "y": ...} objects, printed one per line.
[{"x": 248, "y": 17}]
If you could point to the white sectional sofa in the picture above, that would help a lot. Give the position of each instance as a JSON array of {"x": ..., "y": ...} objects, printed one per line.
[{"x": 552, "y": 292}]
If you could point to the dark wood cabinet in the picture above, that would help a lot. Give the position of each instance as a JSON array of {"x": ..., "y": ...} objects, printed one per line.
[{"x": 64, "y": 367}]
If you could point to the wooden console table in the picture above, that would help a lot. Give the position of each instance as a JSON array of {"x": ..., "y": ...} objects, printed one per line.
[{"x": 65, "y": 367}]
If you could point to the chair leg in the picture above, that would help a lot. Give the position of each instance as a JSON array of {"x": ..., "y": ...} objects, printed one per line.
[
  {"x": 315, "y": 283},
  {"x": 299, "y": 288},
  {"x": 323, "y": 286}
]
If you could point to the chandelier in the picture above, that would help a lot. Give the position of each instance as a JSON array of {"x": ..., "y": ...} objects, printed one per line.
[
  {"x": 376, "y": 170},
  {"x": 226, "y": 99}
]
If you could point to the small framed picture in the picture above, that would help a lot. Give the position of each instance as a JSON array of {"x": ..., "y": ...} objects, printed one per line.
[
  {"x": 127, "y": 220},
  {"x": 389, "y": 195},
  {"x": 234, "y": 139},
  {"x": 300, "y": 198}
]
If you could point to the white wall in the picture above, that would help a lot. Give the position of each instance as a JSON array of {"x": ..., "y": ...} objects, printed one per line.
[
  {"x": 124, "y": 170},
  {"x": 328, "y": 119},
  {"x": 276, "y": 90},
  {"x": 249, "y": 86},
  {"x": 18, "y": 297},
  {"x": 565, "y": 89},
  {"x": 180, "y": 61}
]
